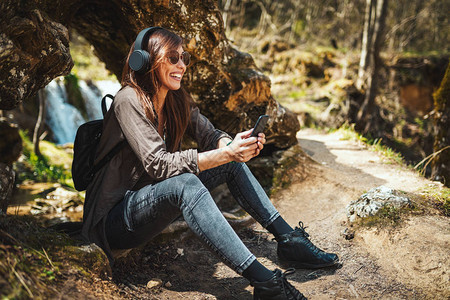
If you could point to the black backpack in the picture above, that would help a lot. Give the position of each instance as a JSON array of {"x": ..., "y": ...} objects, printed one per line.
[{"x": 84, "y": 150}]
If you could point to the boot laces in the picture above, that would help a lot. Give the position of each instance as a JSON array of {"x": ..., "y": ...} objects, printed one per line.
[
  {"x": 301, "y": 230},
  {"x": 289, "y": 290}
]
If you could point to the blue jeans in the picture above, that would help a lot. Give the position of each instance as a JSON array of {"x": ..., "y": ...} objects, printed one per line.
[{"x": 143, "y": 214}]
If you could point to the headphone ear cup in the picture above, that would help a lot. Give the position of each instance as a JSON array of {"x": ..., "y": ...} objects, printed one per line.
[{"x": 139, "y": 61}]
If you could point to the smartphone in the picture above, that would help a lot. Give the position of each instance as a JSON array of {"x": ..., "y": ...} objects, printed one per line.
[{"x": 260, "y": 124}]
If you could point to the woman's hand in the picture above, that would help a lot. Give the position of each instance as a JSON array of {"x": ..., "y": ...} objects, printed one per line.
[
  {"x": 241, "y": 149},
  {"x": 261, "y": 141},
  {"x": 244, "y": 147}
]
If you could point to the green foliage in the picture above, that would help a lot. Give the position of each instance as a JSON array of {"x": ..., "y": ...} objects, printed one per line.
[
  {"x": 86, "y": 64},
  {"x": 39, "y": 168},
  {"x": 349, "y": 134}
]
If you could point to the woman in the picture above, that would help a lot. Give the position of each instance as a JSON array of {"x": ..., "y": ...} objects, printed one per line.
[{"x": 151, "y": 181}]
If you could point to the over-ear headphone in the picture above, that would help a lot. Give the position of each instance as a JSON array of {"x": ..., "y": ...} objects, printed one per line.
[{"x": 140, "y": 59}]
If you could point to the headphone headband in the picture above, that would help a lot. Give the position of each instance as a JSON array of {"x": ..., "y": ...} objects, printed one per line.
[
  {"x": 140, "y": 59},
  {"x": 143, "y": 36}
]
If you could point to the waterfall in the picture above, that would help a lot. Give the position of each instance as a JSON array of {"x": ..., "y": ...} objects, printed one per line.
[
  {"x": 63, "y": 118},
  {"x": 92, "y": 98}
]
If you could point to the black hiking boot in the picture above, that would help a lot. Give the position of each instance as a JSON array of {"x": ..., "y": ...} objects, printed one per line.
[
  {"x": 276, "y": 288},
  {"x": 297, "y": 251}
]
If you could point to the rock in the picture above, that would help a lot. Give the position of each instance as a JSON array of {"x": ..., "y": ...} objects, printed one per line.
[
  {"x": 90, "y": 257},
  {"x": 348, "y": 234},
  {"x": 34, "y": 49},
  {"x": 154, "y": 283},
  {"x": 224, "y": 82},
  {"x": 10, "y": 149},
  {"x": 375, "y": 199},
  {"x": 168, "y": 284},
  {"x": 58, "y": 201},
  {"x": 6, "y": 186}
]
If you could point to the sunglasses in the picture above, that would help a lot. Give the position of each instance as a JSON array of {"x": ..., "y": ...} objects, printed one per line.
[{"x": 174, "y": 57}]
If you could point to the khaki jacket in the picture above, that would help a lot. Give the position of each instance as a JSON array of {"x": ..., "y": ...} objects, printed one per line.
[{"x": 144, "y": 154}]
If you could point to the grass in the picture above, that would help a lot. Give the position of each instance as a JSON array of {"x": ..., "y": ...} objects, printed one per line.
[
  {"x": 35, "y": 262},
  {"x": 27, "y": 260},
  {"x": 348, "y": 133},
  {"x": 387, "y": 152},
  {"x": 297, "y": 94},
  {"x": 52, "y": 166},
  {"x": 439, "y": 197}
]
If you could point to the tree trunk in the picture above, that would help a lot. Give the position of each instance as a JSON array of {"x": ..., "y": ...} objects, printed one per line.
[
  {"x": 367, "y": 112},
  {"x": 39, "y": 122},
  {"x": 366, "y": 45},
  {"x": 440, "y": 166}
]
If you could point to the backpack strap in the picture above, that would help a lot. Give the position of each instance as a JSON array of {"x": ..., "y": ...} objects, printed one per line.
[
  {"x": 104, "y": 109},
  {"x": 113, "y": 151}
]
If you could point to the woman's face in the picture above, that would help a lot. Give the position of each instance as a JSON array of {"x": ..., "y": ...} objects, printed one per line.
[{"x": 170, "y": 75}]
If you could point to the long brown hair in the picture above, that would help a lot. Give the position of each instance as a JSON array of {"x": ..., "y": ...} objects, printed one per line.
[{"x": 178, "y": 103}]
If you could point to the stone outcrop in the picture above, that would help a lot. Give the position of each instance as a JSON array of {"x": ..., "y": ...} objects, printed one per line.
[
  {"x": 224, "y": 82},
  {"x": 375, "y": 199},
  {"x": 34, "y": 49}
]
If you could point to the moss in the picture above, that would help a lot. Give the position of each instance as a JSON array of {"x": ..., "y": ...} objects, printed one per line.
[
  {"x": 441, "y": 162},
  {"x": 74, "y": 93},
  {"x": 57, "y": 155},
  {"x": 386, "y": 216},
  {"x": 429, "y": 201}
]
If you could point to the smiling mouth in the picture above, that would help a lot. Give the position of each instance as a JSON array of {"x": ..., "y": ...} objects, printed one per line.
[{"x": 176, "y": 76}]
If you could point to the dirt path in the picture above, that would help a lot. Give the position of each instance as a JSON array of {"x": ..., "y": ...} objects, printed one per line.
[{"x": 411, "y": 262}]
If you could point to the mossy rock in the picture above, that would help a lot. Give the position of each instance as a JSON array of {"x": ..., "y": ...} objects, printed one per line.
[{"x": 90, "y": 260}]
